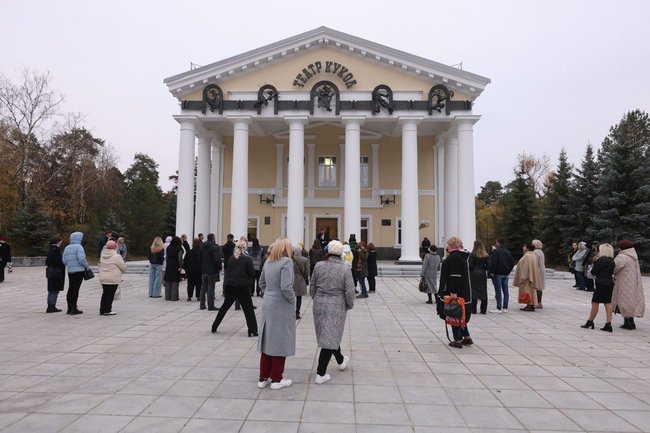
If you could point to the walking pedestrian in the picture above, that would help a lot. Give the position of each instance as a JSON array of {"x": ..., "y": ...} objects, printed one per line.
[
  {"x": 301, "y": 277},
  {"x": 372, "y": 268},
  {"x": 211, "y": 270},
  {"x": 501, "y": 264},
  {"x": 429, "y": 272},
  {"x": 192, "y": 266}
]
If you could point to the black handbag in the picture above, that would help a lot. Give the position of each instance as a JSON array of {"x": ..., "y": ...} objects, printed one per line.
[
  {"x": 422, "y": 287},
  {"x": 88, "y": 274},
  {"x": 54, "y": 272}
]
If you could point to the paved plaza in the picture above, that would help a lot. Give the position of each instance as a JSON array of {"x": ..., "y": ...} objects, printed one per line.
[{"x": 155, "y": 367}]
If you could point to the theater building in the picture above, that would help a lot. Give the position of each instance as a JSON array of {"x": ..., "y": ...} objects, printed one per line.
[{"x": 325, "y": 130}]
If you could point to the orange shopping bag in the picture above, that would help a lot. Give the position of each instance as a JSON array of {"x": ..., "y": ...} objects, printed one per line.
[{"x": 454, "y": 311}]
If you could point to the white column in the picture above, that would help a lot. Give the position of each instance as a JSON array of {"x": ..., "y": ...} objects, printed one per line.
[
  {"x": 311, "y": 163},
  {"x": 451, "y": 187},
  {"x": 239, "y": 188},
  {"x": 466, "y": 208},
  {"x": 352, "y": 188},
  {"x": 296, "y": 180},
  {"x": 440, "y": 192},
  {"x": 279, "y": 169},
  {"x": 185, "y": 197},
  {"x": 219, "y": 232},
  {"x": 202, "y": 212},
  {"x": 215, "y": 179},
  {"x": 341, "y": 171},
  {"x": 410, "y": 192},
  {"x": 375, "y": 171}
]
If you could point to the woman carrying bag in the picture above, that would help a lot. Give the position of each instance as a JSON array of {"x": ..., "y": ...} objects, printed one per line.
[
  {"x": 55, "y": 274},
  {"x": 111, "y": 268}
]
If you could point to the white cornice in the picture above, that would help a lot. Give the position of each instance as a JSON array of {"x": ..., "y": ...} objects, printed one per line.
[{"x": 186, "y": 82}]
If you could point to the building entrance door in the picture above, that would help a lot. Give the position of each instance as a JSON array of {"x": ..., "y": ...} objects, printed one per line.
[{"x": 330, "y": 225}]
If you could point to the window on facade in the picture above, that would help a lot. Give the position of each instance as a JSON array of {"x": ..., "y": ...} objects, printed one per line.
[
  {"x": 364, "y": 229},
  {"x": 364, "y": 172},
  {"x": 327, "y": 171},
  {"x": 252, "y": 228}
]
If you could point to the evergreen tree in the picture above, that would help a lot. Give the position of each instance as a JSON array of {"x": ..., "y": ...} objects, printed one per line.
[
  {"x": 112, "y": 223},
  {"x": 143, "y": 204},
  {"x": 556, "y": 209},
  {"x": 32, "y": 230},
  {"x": 623, "y": 192},
  {"x": 519, "y": 203},
  {"x": 583, "y": 196}
]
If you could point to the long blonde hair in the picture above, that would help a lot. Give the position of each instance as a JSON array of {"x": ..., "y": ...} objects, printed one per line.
[
  {"x": 157, "y": 245},
  {"x": 240, "y": 247},
  {"x": 281, "y": 248},
  {"x": 479, "y": 249}
]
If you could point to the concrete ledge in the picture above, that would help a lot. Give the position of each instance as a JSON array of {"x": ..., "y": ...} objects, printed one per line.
[{"x": 20, "y": 262}]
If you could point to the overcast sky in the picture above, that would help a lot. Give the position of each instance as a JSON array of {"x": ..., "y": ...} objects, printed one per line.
[{"x": 562, "y": 71}]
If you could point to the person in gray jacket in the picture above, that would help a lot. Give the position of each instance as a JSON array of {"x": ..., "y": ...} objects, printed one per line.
[
  {"x": 277, "y": 330},
  {"x": 74, "y": 258},
  {"x": 579, "y": 260},
  {"x": 429, "y": 271},
  {"x": 332, "y": 289}
]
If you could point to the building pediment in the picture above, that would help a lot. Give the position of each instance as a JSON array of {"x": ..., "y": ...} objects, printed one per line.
[{"x": 352, "y": 63}]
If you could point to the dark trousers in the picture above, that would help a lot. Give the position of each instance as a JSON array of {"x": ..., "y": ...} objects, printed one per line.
[
  {"x": 52, "y": 296},
  {"x": 372, "y": 284},
  {"x": 193, "y": 285},
  {"x": 207, "y": 289},
  {"x": 241, "y": 294},
  {"x": 539, "y": 296},
  {"x": 484, "y": 306},
  {"x": 355, "y": 276},
  {"x": 271, "y": 366},
  {"x": 298, "y": 304},
  {"x": 258, "y": 289},
  {"x": 589, "y": 284},
  {"x": 75, "y": 279},
  {"x": 106, "y": 304},
  {"x": 459, "y": 332},
  {"x": 2, "y": 271},
  {"x": 324, "y": 359}
]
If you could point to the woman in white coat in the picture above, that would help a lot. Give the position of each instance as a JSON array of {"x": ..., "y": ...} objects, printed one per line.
[{"x": 111, "y": 268}]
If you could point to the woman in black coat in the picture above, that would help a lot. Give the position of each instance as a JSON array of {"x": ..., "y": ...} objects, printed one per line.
[
  {"x": 55, "y": 274},
  {"x": 455, "y": 282},
  {"x": 238, "y": 276},
  {"x": 603, "y": 272},
  {"x": 174, "y": 261},
  {"x": 479, "y": 262},
  {"x": 372, "y": 267},
  {"x": 192, "y": 266}
]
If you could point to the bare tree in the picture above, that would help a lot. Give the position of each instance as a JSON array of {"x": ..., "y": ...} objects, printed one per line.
[
  {"x": 536, "y": 169},
  {"x": 25, "y": 110}
]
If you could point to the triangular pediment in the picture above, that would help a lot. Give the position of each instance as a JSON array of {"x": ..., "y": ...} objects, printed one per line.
[{"x": 288, "y": 64}]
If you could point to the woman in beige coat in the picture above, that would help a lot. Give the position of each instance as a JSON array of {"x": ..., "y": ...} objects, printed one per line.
[
  {"x": 527, "y": 276},
  {"x": 111, "y": 268},
  {"x": 541, "y": 263},
  {"x": 628, "y": 298}
]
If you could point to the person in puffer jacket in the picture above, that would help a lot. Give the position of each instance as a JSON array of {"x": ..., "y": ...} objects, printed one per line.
[
  {"x": 74, "y": 258},
  {"x": 111, "y": 268}
]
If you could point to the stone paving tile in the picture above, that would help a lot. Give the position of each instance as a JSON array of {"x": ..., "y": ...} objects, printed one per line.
[{"x": 155, "y": 367}]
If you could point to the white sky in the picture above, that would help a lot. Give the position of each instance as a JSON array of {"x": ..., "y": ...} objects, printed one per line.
[{"x": 562, "y": 72}]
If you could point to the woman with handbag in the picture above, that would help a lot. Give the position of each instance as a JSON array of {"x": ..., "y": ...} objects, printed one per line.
[
  {"x": 603, "y": 272},
  {"x": 455, "y": 282},
  {"x": 55, "y": 273},
  {"x": 74, "y": 258},
  {"x": 429, "y": 272},
  {"x": 527, "y": 278},
  {"x": 111, "y": 268}
]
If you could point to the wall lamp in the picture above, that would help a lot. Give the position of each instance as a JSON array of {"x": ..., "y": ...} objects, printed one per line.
[
  {"x": 267, "y": 200},
  {"x": 387, "y": 200}
]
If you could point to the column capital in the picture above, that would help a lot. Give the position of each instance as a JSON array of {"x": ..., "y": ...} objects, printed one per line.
[
  {"x": 296, "y": 119},
  {"x": 353, "y": 120},
  {"x": 465, "y": 122},
  {"x": 240, "y": 119},
  {"x": 374, "y": 146},
  {"x": 406, "y": 120},
  {"x": 205, "y": 136},
  {"x": 311, "y": 145},
  {"x": 279, "y": 145}
]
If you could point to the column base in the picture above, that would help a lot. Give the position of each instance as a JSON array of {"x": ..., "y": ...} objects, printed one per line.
[{"x": 409, "y": 261}]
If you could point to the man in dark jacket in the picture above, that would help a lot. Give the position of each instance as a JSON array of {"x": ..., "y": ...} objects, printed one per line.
[
  {"x": 5, "y": 257},
  {"x": 227, "y": 249},
  {"x": 455, "y": 282},
  {"x": 501, "y": 264},
  {"x": 210, "y": 269}
]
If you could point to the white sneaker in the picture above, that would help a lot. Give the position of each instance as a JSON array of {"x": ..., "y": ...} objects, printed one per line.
[
  {"x": 281, "y": 384},
  {"x": 322, "y": 379},
  {"x": 263, "y": 383},
  {"x": 344, "y": 363},
  {"x": 496, "y": 311},
  {"x": 505, "y": 310}
]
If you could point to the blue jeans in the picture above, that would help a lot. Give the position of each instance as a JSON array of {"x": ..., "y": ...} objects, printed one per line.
[
  {"x": 155, "y": 280},
  {"x": 52, "y": 297},
  {"x": 362, "y": 283},
  {"x": 501, "y": 287},
  {"x": 580, "y": 278}
]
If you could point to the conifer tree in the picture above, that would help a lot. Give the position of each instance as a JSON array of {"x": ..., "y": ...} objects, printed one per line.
[
  {"x": 583, "y": 196},
  {"x": 32, "y": 230},
  {"x": 519, "y": 203},
  {"x": 623, "y": 192},
  {"x": 113, "y": 223},
  {"x": 556, "y": 207}
]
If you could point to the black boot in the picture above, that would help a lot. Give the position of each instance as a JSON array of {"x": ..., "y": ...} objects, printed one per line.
[
  {"x": 626, "y": 323},
  {"x": 607, "y": 327},
  {"x": 50, "y": 308},
  {"x": 632, "y": 325},
  {"x": 589, "y": 324}
]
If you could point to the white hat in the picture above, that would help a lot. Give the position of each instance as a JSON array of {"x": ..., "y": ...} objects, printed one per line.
[{"x": 335, "y": 248}]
